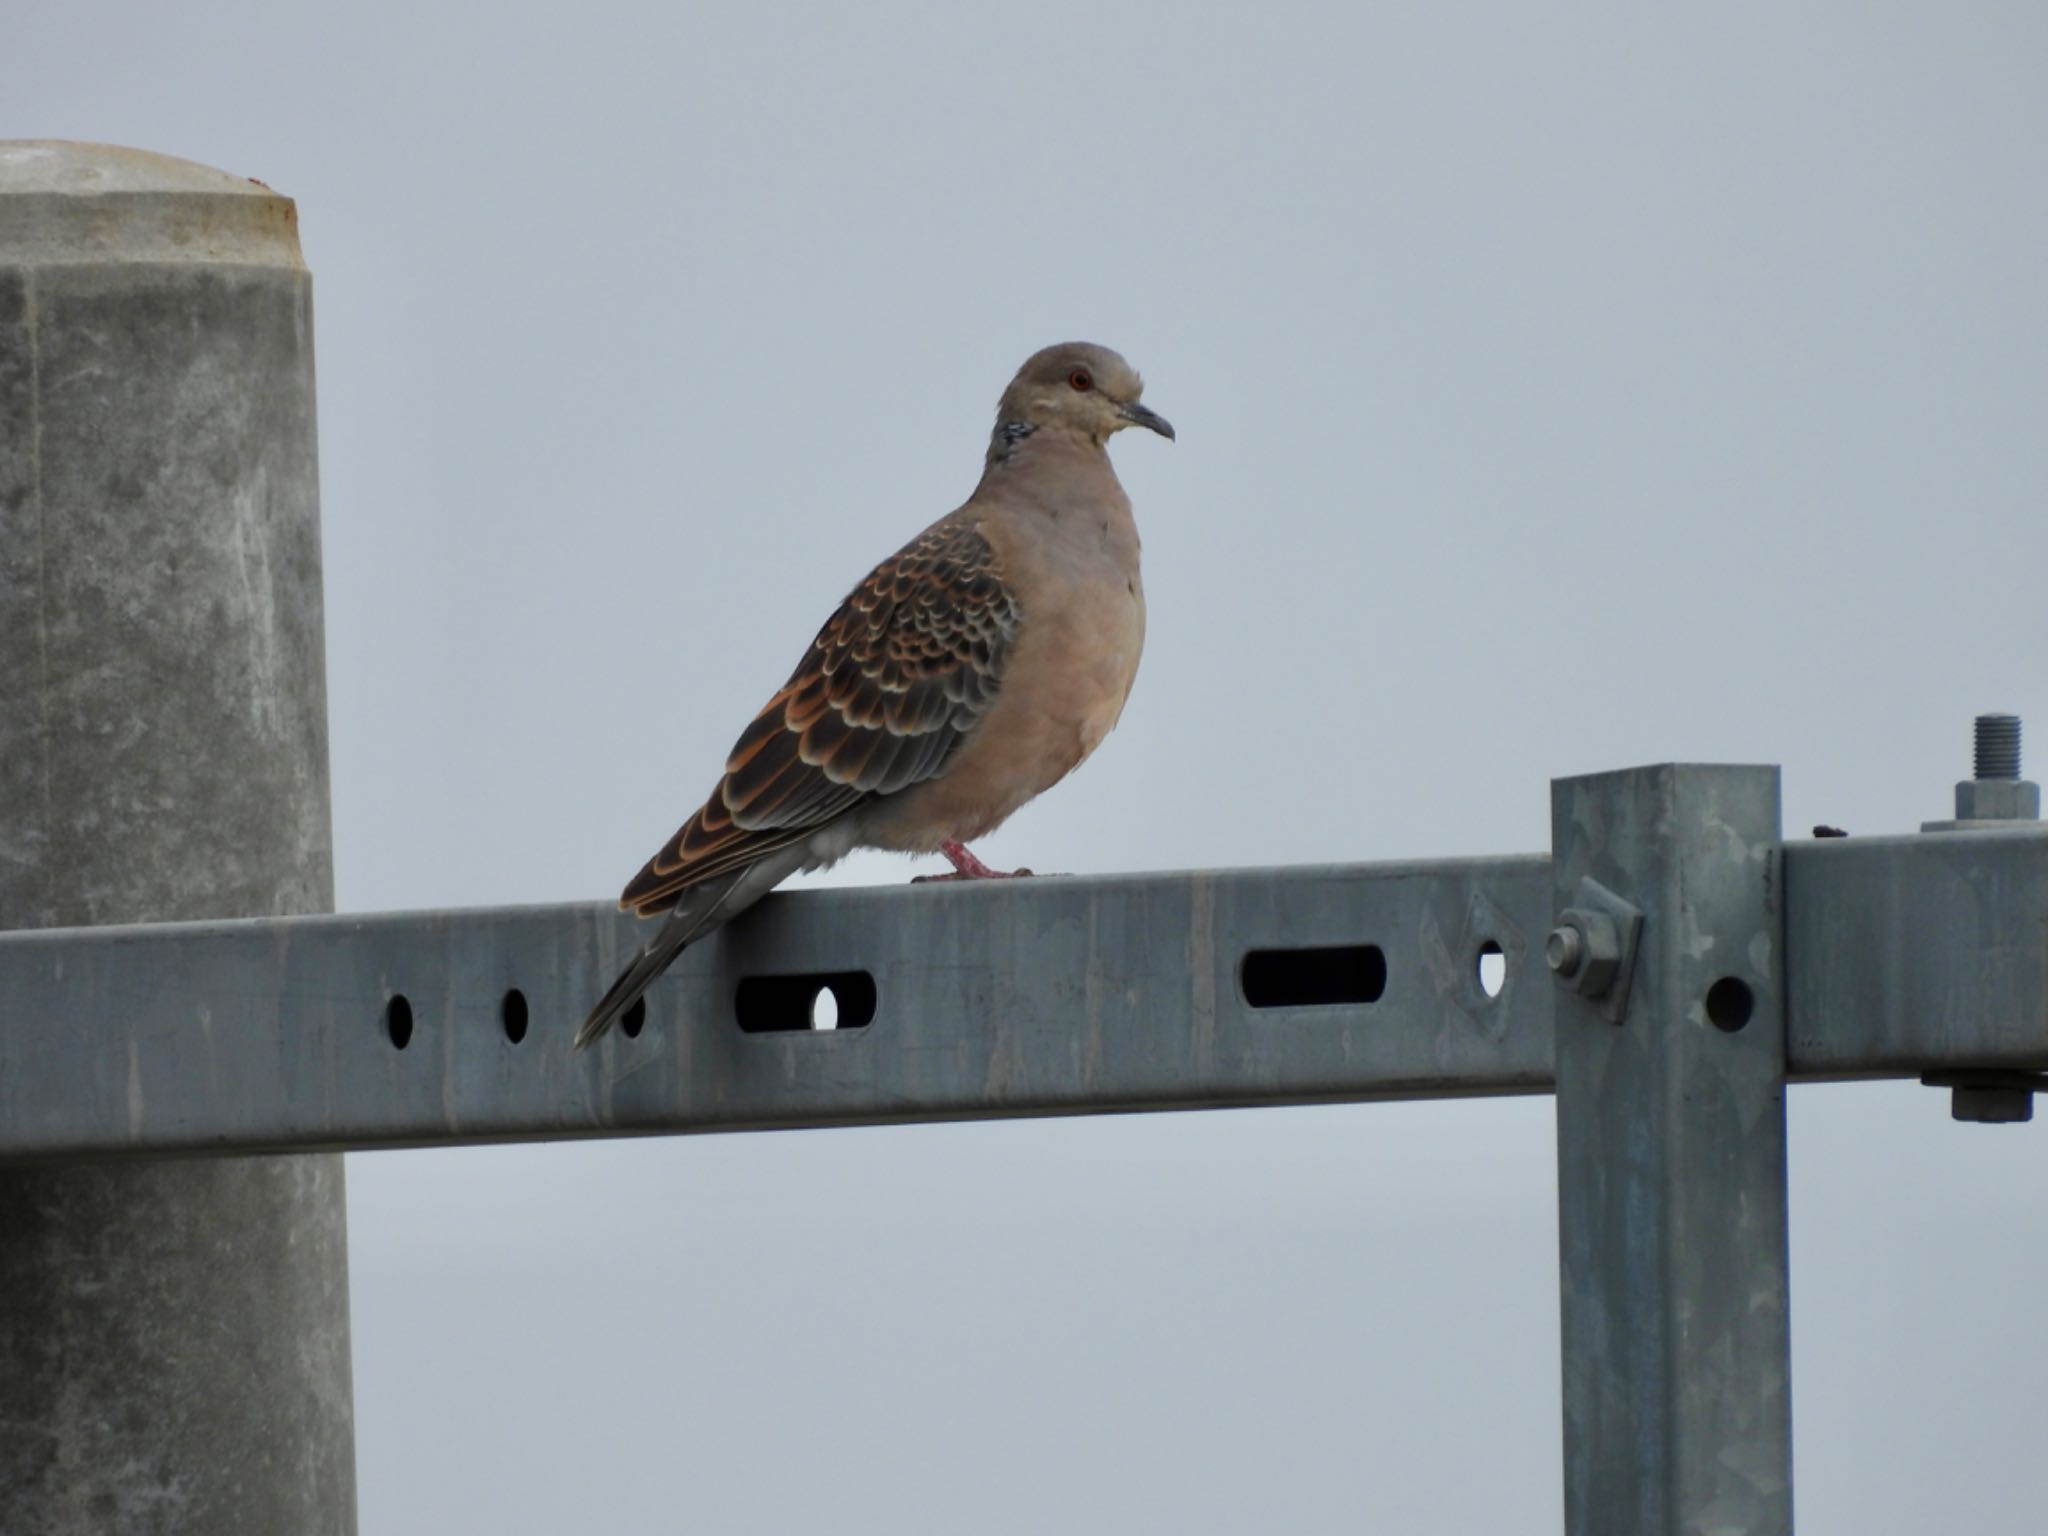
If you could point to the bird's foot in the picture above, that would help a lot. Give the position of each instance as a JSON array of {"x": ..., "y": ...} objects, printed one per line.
[{"x": 967, "y": 867}]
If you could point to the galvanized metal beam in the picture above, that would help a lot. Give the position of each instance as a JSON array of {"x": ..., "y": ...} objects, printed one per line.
[
  {"x": 1046, "y": 996},
  {"x": 1671, "y": 1160},
  {"x": 1916, "y": 954},
  {"x": 1051, "y": 996}
]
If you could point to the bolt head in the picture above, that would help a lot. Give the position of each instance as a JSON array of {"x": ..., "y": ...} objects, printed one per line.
[
  {"x": 1593, "y": 950},
  {"x": 1565, "y": 951}
]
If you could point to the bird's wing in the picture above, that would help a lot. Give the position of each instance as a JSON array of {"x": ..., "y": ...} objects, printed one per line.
[{"x": 897, "y": 679}]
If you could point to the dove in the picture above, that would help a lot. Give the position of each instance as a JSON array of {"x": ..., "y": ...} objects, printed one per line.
[{"x": 969, "y": 672}]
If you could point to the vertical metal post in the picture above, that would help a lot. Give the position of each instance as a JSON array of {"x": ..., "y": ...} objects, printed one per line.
[
  {"x": 1671, "y": 1157},
  {"x": 174, "y": 1348}
]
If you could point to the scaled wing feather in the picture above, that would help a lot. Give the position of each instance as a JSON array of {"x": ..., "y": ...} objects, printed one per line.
[{"x": 893, "y": 684}]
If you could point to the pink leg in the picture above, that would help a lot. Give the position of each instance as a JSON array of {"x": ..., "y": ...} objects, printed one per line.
[{"x": 967, "y": 867}]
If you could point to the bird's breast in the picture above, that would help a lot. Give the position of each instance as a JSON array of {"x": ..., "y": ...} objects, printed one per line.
[{"x": 1068, "y": 671}]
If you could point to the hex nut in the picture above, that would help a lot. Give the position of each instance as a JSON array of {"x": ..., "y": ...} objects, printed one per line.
[
  {"x": 1998, "y": 800},
  {"x": 1599, "y": 950}
]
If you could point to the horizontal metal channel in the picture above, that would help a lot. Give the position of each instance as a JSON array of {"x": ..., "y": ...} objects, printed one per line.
[
  {"x": 1031, "y": 997},
  {"x": 1920, "y": 953},
  {"x": 1041, "y": 997}
]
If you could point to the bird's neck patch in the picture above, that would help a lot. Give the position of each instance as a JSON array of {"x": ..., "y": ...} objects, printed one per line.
[{"x": 1007, "y": 436}]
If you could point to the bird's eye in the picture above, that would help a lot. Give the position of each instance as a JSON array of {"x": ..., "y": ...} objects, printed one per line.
[{"x": 1080, "y": 380}]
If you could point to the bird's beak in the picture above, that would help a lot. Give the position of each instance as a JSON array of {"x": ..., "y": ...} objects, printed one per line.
[{"x": 1138, "y": 416}]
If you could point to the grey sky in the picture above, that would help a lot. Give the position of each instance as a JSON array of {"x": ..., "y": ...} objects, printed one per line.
[{"x": 1558, "y": 389}]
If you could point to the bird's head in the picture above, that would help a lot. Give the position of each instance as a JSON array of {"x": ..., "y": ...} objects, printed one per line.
[{"x": 1080, "y": 388}]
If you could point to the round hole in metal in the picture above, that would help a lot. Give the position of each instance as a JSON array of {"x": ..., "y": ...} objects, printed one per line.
[
  {"x": 1730, "y": 1003},
  {"x": 1491, "y": 968},
  {"x": 512, "y": 1015},
  {"x": 398, "y": 1021}
]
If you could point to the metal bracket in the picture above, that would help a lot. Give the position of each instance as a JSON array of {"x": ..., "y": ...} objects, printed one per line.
[
  {"x": 1990, "y": 1096},
  {"x": 1592, "y": 950}
]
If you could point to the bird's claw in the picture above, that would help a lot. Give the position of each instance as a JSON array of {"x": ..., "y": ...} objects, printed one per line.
[
  {"x": 966, "y": 866},
  {"x": 984, "y": 874}
]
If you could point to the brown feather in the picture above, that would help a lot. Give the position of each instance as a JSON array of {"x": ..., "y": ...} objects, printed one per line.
[{"x": 891, "y": 687}]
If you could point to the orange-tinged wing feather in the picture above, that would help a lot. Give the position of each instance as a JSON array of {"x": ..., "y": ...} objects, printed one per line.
[{"x": 893, "y": 684}]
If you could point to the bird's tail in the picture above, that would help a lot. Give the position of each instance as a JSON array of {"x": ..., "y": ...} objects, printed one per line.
[
  {"x": 634, "y": 980},
  {"x": 701, "y": 909}
]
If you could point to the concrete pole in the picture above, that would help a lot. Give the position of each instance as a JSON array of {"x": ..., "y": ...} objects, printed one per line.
[{"x": 174, "y": 1348}]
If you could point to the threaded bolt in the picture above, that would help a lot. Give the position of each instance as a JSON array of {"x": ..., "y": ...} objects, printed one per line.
[
  {"x": 1565, "y": 951},
  {"x": 1998, "y": 746}
]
